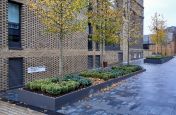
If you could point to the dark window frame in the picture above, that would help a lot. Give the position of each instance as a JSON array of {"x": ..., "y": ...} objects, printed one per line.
[
  {"x": 90, "y": 7},
  {"x": 97, "y": 46},
  {"x": 90, "y": 65},
  {"x": 146, "y": 46},
  {"x": 18, "y": 30},
  {"x": 97, "y": 61},
  {"x": 90, "y": 45},
  {"x": 112, "y": 47},
  {"x": 90, "y": 42},
  {"x": 90, "y": 28}
]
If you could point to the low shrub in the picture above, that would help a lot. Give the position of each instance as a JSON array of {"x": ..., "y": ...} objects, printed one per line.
[
  {"x": 58, "y": 85},
  {"x": 156, "y": 57},
  {"x": 114, "y": 72},
  {"x": 105, "y": 75},
  {"x": 127, "y": 68},
  {"x": 62, "y": 88},
  {"x": 36, "y": 85},
  {"x": 83, "y": 81},
  {"x": 61, "y": 85}
]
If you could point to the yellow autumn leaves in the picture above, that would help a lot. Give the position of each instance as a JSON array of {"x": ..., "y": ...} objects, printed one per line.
[
  {"x": 106, "y": 21},
  {"x": 59, "y": 15},
  {"x": 158, "y": 29}
]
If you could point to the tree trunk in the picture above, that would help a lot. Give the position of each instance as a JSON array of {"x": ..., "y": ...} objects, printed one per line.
[
  {"x": 156, "y": 49},
  {"x": 102, "y": 54},
  {"x": 129, "y": 18},
  {"x": 161, "y": 50},
  {"x": 128, "y": 60},
  {"x": 128, "y": 45},
  {"x": 61, "y": 43},
  {"x": 61, "y": 55},
  {"x": 165, "y": 50}
]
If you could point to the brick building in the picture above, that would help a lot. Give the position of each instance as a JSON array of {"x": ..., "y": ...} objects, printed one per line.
[
  {"x": 136, "y": 16},
  {"x": 26, "y": 53},
  {"x": 168, "y": 48}
]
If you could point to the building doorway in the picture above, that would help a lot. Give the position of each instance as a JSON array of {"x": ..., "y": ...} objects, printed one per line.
[{"x": 15, "y": 73}]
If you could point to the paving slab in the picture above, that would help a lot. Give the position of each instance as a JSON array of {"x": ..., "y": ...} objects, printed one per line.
[
  {"x": 150, "y": 93},
  {"x": 7, "y": 108}
]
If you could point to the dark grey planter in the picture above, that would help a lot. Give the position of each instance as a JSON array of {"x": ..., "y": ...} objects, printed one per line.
[
  {"x": 158, "y": 61},
  {"x": 51, "y": 103}
]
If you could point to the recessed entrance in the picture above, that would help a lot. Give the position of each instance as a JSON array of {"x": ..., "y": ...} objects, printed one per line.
[{"x": 15, "y": 76}]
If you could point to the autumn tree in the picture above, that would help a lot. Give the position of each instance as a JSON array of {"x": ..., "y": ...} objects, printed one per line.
[
  {"x": 158, "y": 29},
  {"x": 133, "y": 26},
  {"x": 106, "y": 21},
  {"x": 60, "y": 17}
]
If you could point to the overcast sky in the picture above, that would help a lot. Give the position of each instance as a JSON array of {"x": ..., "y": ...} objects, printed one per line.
[{"x": 165, "y": 7}]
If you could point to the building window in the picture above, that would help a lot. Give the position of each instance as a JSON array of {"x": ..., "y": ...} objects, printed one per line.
[
  {"x": 90, "y": 7},
  {"x": 146, "y": 46},
  {"x": 132, "y": 56},
  {"x": 97, "y": 45},
  {"x": 90, "y": 62},
  {"x": 135, "y": 55},
  {"x": 90, "y": 43},
  {"x": 14, "y": 37},
  {"x": 112, "y": 47},
  {"x": 90, "y": 28},
  {"x": 97, "y": 61},
  {"x": 120, "y": 56}
]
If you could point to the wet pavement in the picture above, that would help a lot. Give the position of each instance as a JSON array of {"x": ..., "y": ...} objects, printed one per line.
[
  {"x": 150, "y": 93},
  {"x": 7, "y": 108}
]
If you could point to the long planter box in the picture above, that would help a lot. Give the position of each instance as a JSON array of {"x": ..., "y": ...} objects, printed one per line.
[
  {"x": 53, "y": 104},
  {"x": 157, "y": 61}
]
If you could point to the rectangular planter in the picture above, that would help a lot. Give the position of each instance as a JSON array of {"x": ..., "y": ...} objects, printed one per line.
[
  {"x": 53, "y": 104},
  {"x": 158, "y": 61}
]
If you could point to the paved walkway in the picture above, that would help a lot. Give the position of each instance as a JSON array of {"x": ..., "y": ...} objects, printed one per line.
[
  {"x": 150, "y": 93},
  {"x": 12, "y": 109}
]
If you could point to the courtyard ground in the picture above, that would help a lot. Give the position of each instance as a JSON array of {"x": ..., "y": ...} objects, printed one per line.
[{"x": 150, "y": 93}]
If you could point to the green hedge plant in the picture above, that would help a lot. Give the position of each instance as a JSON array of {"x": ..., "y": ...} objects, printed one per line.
[
  {"x": 114, "y": 72},
  {"x": 59, "y": 85}
]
